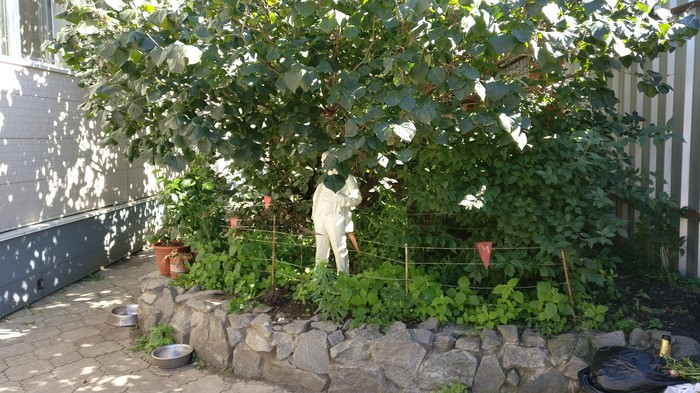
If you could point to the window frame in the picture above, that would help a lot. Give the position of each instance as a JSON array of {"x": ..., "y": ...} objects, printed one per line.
[{"x": 11, "y": 33}]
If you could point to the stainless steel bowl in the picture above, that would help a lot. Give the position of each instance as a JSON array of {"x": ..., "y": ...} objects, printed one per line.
[
  {"x": 125, "y": 315},
  {"x": 172, "y": 356}
]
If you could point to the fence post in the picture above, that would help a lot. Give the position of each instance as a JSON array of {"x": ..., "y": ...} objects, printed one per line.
[
  {"x": 568, "y": 283},
  {"x": 274, "y": 231},
  {"x": 405, "y": 252}
]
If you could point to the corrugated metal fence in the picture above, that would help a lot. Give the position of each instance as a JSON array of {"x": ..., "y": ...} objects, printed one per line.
[{"x": 675, "y": 162}]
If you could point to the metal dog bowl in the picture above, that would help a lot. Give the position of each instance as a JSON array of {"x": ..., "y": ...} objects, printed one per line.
[
  {"x": 126, "y": 315},
  {"x": 172, "y": 356}
]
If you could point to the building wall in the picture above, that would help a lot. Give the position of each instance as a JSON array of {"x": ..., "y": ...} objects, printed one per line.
[
  {"x": 676, "y": 162},
  {"x": 67, "y": 205}
]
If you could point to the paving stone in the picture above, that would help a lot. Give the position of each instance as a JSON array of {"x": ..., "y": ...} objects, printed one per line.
[
  {"x": 23, "y": 371},
  {"x": 62, "y": 360},
  {"x": 64, "y": 344},
  {"x": 80, "y": 333},
  {"x": 209, "y": 384}
]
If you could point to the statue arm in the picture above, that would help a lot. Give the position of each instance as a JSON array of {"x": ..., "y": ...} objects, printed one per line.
[{"x": 349, "y": 195}]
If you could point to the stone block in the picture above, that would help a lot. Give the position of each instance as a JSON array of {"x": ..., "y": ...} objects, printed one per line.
[
  {"x": 284, "y": 345},
  {"x": 563, "y": 346},
  {"x": 513, "y": 378},
  {"x": 532, "y": 339},
  {"x": 367, "y": 332},
  {"x": 684, "y": 347},
  {"x": 261, "y": 325},
  {"x": 472, "y": 344},
  {"x": 547, "y": 380},
  {"x": 489, "y": 377},
  {"x": 311, "y": 352},
  {"x": 638, "y": 337},
  {"x": 519, "y": 357},
  {"x": 247, "y": 363},
  {"x": 394, "y": 327},
  {"x": 153, "y": 282},
  {"x": 349, "y": 351},
  {"x": 611, "y": 339},
  {"x": 283, "y": 372},
  {"x": 508, "y": 332},
  {"x": 335, "y": 338},
  {"x": 235, "y": 336},
  {"x": 444, "y": 342},
  {"x": 446, "y": 367},
  {"x": 367, "y": 378},
  {"x": 210, "y": 340},
  {"x": 573, "y": 366},
  {"x": 490, "y": 339},
  {"x": 399, "y": 355},
  {"x": 326, "y": 326},
  {"x": 240, "y": 321},
  {"x": 424, "y": 336},
  {"x": 182, "y": 323},
  {"x": 431, "y": 324},
  {"x": 166, "y": 302},
  {"x": 297, "y": 327}
]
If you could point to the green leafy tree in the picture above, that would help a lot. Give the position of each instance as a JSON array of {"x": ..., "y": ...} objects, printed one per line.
[{"x": 496, "y": 115}]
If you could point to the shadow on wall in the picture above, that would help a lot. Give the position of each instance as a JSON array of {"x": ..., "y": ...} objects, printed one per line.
[{"x": 67, "y": 204}]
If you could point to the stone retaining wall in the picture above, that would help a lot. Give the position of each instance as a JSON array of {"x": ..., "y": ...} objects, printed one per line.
[{"x": 321, "y": 356}]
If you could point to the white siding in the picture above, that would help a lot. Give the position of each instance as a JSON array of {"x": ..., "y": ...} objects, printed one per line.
[{"x": 51, "y": 164}]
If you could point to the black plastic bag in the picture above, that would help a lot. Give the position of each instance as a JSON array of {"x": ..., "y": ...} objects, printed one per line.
[{"x": 629, "y": 370}]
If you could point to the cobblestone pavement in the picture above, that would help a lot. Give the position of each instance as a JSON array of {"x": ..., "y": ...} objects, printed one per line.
[{"x": 63, "y": 343}]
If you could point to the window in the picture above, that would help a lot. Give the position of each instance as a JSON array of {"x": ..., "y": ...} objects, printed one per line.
[{"x": 25, "y": 25}]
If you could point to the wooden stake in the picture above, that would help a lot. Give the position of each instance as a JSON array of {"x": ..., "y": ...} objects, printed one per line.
[
  {"x": 274, "y": 231},
  {"x": 405, "y": 252},
  {"x": 568, "y": 284}
]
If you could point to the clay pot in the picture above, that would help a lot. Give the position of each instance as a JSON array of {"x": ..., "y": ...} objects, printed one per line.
[
  {"x": 162, "y": 250},
  {"x": 177, "y": 263}
]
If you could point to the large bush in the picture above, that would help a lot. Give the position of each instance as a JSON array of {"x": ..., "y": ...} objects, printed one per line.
[{"x": 478, "y": 120}]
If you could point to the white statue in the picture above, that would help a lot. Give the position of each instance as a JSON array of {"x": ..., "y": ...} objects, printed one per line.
[{"x": 332, "y": 215}]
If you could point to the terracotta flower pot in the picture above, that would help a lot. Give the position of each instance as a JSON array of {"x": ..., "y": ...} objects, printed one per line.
[
  {"x": 162, "y": 250},
  {"x": 177, "y": 263}
]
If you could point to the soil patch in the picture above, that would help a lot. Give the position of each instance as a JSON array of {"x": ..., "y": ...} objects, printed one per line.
[{"x": 656, "y": 304}]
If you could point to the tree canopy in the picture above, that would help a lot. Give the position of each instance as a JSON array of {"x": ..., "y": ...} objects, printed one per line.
[{"x": 502, "y": 106}]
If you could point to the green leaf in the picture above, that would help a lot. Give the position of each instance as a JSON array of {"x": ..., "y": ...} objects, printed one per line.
[
  {"x": 292, "y": 79},
  {"x": 306, "y": 8},
  {"x": 404, "y": 155},
  {"x": 503, "y": 43},
  {"x": 193, "y": 54},
  {"x": 406, "y": 130},
  {"x": 437, "y": 75},
  {"x": 351, "y": 128},
  {"x": 551, "y": 11},
  {"x": 550, "y": 310},
  {"x": 382, "y": 130}
]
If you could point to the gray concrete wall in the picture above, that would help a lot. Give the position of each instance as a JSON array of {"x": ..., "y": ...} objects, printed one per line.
[{"x": 41, "y": 259}]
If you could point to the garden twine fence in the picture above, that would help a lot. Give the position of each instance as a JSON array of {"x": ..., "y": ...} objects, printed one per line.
[{"x": 296, "y": 239}]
